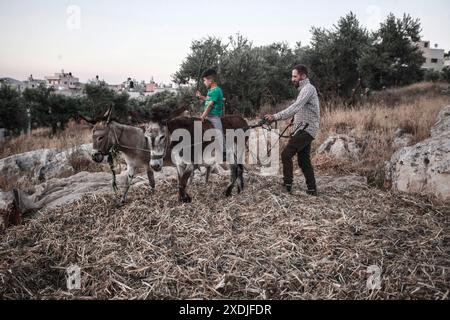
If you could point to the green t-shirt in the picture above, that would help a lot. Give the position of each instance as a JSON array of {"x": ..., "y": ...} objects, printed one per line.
[{"x": 216, "y": 95}]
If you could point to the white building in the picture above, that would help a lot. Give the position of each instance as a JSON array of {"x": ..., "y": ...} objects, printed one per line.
[
  {"x": 434, "y": 56},
  {"x": 32, "y": 83},
  {"x": 63, "y": 81}
]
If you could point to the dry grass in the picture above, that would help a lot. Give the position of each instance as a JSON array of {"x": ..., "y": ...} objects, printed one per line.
[
  {"x": 74, "y": 135},
  {"x": 262, "y": 244}
]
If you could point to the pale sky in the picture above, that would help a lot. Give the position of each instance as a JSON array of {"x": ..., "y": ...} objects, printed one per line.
[{"x": 140, "y": 39}]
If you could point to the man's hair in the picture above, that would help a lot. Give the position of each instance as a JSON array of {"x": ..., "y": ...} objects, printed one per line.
[
  {"x": 302, "y": 69},
  {"x": 210, "y": 73}
]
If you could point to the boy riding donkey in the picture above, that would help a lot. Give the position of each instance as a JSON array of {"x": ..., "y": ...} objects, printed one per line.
[
  {"x": 306, "y": 112},
  {"x": 213, "y": 104}
]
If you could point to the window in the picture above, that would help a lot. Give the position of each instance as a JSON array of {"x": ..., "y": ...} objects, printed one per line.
[
  {"x": 434, "y": 60},
  {"x": 426, "y": 44}
]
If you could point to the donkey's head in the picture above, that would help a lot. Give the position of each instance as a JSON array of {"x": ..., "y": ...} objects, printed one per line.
[
  {"x": 103, "y": 138},
  {"x": 157, "y": 133}
]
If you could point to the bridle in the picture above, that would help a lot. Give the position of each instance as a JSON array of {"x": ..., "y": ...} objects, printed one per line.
[{"x": 166, "y": 145}]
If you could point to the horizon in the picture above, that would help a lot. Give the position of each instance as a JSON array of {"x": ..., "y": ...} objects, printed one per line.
[{"x": 108, "y": 38}]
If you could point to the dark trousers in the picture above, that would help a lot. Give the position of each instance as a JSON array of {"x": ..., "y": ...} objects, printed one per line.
[{"x": 299, "y": 145}]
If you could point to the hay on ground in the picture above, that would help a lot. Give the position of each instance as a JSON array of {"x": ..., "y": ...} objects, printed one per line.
[{"x": 262, "y": 244}]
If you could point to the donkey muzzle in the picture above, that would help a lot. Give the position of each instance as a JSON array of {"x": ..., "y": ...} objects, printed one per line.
[
  {"x": 156, "y": 162},
  {"x": 97, "y": 157}
]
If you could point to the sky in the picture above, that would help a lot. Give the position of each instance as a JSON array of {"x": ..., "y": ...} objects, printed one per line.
[{"x": 144, "y": 39}]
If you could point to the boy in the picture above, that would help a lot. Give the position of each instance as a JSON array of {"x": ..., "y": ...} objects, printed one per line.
[{"x": 213, "y": 103}]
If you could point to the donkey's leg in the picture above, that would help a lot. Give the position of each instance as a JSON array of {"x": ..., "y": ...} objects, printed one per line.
[
  {"x": 130, "y": 176},
  {"x": 151, "y": 177},
  {"x": 191, "y": 177},
  {"x": 233, "y": 177},
  {"x": 240, "y": 177},
  {"x": 208, "y": 173},
  {"x": 184, "y": 173}
]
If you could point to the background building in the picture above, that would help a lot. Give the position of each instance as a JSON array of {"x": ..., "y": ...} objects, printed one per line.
[
  {"x": 63, "y": 81},
  {"x": 434, "y": 56}
]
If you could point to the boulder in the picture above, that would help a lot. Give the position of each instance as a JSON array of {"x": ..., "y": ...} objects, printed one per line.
[
  {"x": 402, "y": 139},
  {"x": 341, "y": 147},
  {"x": 61, "y": 191},
  {"x": 425, "y": 167},
  {"x": 41, "y": 165}
]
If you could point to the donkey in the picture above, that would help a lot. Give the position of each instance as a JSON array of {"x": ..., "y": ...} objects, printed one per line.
[
  {"x": 159, "y": 131},
  {"x": 131, "y": 141}
]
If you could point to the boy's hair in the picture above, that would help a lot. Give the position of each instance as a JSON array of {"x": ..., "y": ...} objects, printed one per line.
[
  {"x": 210, "y": 73},
  {"x": 302, "y": 69}
]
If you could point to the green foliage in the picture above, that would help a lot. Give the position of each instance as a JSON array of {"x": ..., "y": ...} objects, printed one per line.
[
  {"x": 99, "y": 98},
  {"x": 250, "y": 76},
  {"x": 49, "y": 109},
  {"x": 13, "y": 114},
  {"x": 432, "y": 75},
  {"x": 343, "y": 60},
  {"x": 334, "y": 54},
  {"x": 393, "y": 59},
  {"x": 445, "y": 74},
  {"x": 205, "y": 53}
]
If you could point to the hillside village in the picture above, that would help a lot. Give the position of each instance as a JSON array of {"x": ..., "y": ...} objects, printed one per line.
[{"x": 67, "y": 83}]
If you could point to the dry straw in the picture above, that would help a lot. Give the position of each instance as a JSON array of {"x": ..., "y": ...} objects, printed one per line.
[{"x": 262, "y": 244}]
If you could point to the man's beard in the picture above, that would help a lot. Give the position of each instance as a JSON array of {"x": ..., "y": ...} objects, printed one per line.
[{"x": 296, "y": 84}]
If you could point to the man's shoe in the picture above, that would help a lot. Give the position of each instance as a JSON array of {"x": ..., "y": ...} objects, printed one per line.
[
  {"x": 312, "y": 192},
  {"x": 288, "y": 187}
]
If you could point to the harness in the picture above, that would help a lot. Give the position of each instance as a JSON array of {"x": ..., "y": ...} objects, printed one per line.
[
  {"x": 166, "y": 146},
  {"x": 113, "y": 153}
]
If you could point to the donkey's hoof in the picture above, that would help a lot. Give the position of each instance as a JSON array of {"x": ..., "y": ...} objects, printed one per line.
[
  {"x": 120, "y": 204},
  {"x": 228, "y": 193},
  {"x": 186, "y": 199}
]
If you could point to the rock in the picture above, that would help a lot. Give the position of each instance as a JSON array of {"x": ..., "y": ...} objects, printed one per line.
[
  {"x": 57, "y": 192},
  {"x": 442, "y": 124},
  {"x": 402, "y": 139},
  {"x": 425, "y": 167},
  {"x": 341, "y": 147},
  {"x": 44, "y": 164},
  {"x": 5, "y": 199}
]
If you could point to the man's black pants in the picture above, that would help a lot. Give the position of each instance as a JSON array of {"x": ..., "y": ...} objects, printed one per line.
[{"x": 299, "y": 145}]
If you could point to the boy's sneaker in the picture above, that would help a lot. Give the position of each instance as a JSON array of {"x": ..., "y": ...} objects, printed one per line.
[{"x": 312, "y": 192}]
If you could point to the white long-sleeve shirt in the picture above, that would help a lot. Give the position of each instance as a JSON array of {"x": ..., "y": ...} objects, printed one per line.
[{"x": 306, "y": 109}]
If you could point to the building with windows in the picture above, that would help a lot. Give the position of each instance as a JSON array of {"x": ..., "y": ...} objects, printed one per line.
[
  {"x": 434, "y": 57},
  {"x": 32, "y": 83},
  {"x": 63, "y": 81}
]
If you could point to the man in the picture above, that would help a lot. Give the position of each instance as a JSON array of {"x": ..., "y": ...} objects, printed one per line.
[
  {"x": 213, "y": 103},
  {"x": 306, "y": 112}
]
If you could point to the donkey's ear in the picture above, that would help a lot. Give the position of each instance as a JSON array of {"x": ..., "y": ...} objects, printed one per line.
[
  {"x": 178, "y": 112},
  {"x": 143, "y": 127},
  {"x": 107, "y": 115},
  {"x": 88, "y": 120}
]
